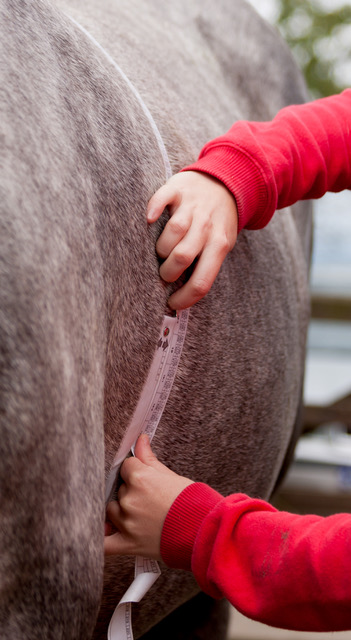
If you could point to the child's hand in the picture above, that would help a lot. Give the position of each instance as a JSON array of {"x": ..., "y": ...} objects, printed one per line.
[
  {"x": 203, "y": 222},
  {"x": 143, "y": 502}
]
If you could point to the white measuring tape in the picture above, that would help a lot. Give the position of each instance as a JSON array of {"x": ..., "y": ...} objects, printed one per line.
[
  {"x": 156, "y": 389},
  {"x": 146, "y": 417},
  {"x": 136, "y": 93},
  {"x": 151, "y": 403}
]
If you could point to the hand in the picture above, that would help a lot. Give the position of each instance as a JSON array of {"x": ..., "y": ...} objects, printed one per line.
[
  {"x": 203, "y": 222},
  {"x": 143, "y": 502}
]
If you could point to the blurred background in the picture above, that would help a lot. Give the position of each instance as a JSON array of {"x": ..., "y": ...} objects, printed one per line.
[{"x": 318, "y": 33}]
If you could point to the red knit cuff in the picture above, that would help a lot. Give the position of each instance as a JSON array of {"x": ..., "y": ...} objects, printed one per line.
[
  {"x": 183, "y": 522},
  {"x": 244, "y": 179}
]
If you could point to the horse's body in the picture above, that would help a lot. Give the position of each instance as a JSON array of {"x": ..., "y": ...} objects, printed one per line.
[{"x": 81, "y": 301}]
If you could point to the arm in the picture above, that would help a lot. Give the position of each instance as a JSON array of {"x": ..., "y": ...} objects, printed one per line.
[
  {"x": 281, "y": 569},
  {"x": 302, "y": 153},
  {"x": 241, "y": 178}
]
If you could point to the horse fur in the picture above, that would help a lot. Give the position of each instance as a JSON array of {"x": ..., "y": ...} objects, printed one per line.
[{"x": 81, "y": 301}]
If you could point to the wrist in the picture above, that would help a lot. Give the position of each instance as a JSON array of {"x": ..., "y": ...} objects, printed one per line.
[
  {"x": 243, "y": 177},
  {"x": 183, "y": 521}
]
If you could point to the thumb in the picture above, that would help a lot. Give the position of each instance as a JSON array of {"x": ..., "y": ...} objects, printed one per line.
[{"x": 145, "y": 454}]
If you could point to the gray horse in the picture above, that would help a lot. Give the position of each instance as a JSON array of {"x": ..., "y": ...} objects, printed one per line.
[{"x": 81, "y": 301}]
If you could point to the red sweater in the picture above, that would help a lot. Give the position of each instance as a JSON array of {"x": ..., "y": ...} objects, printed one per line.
[
  {"x": 302, "y": 153},
  {"x": 282, "y": 569}
]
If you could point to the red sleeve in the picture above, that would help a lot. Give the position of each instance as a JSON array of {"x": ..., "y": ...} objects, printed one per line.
[
  {"x": 302, "y": 153},
  {"x": 281, "y": 569}
]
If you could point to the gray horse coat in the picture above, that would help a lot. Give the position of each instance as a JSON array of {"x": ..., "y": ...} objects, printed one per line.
[{"x": 81, "y": 301}]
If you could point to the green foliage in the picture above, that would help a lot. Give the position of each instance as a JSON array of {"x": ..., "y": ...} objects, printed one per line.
[{"x": 320, "y": 40}]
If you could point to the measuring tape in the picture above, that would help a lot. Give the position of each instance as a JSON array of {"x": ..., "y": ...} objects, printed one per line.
[
  {"x": 156, "y": 389},
  {"x": 146, "y": 573},
  {"x": 145, "y": 419}
]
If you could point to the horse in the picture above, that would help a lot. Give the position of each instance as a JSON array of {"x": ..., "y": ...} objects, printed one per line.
[{"x": 81, "y": 300}]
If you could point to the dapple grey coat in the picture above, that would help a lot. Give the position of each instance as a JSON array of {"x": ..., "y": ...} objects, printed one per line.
[{"x": 81, "y": 301}]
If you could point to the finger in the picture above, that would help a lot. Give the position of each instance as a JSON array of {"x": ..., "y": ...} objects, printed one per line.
[
  {"x": 183, "y": 254},
  {"x": 117, "y": 545},
  {"x": 144, "y": 453},
  {"x": 121, "y": 493},
  {"x": 176, "y": 228},
  {"x": 129, "y": 466},
  {"x": 113, "y": 512},
  {"x": 201, "y": 279},
  {"x": 165, "y": 196},
  {"x": 109, "y": 528}
]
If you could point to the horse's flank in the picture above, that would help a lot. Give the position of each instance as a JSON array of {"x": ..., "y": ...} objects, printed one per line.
[{"x": 82, "y": 302}]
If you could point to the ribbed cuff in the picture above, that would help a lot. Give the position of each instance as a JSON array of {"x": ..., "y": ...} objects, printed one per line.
[
  {"x": 244, "y": 179},
  {"x": 183, "y": 522}
]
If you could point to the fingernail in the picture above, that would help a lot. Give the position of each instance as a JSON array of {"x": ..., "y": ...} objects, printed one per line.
[{"x": 151, "y": 215}]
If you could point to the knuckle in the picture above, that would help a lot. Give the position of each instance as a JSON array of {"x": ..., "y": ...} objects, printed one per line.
[
  {"x": 123, "y": 503},
  {"x": 178, "y": 226},
  {"x": 161, "y": 250},
  {"x": 226, "y": 245},
  {"x": 136, "y": 475},
  {"x": 207, "y": 226},
  {"x": 121, "y": 493},
  {"x": 128, "y": 462},
  {"x": 182, "y": 258},
  {"x": 200, "y": 287},
  {"x": 222, "y": 245}
]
